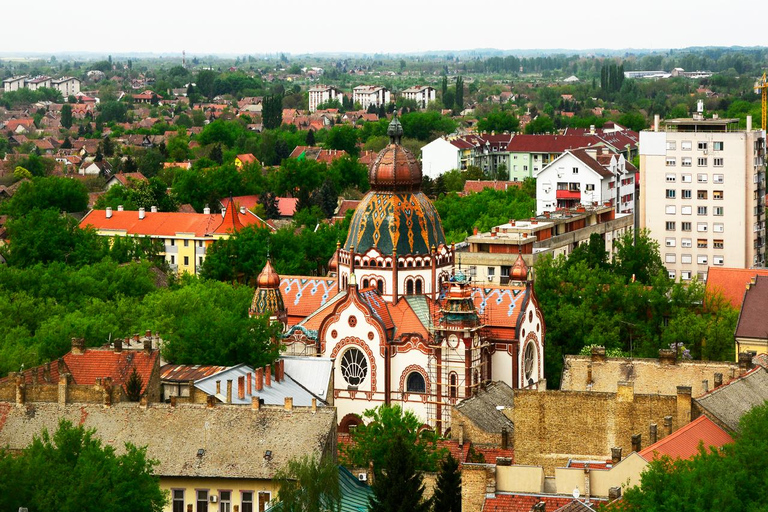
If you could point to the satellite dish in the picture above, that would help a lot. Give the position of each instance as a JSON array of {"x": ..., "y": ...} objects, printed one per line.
[{"x": 576, "y": 493}]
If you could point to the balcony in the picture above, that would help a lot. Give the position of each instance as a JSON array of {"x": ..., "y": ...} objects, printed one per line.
[{"x": 568, "y": 194}]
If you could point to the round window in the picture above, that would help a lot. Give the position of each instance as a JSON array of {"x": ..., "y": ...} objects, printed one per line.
[
  {"x": 354, "y": 366},
  {"x": 529, "y": 358},
  {"x": 453, "y": 341}
]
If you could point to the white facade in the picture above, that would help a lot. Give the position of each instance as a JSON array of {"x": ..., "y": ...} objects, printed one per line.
[
  {"x": 67, "y": 86},
  {"x": 14, "y": 84},
  {"x": 367, "y": 95},
  {"x": 420, "y": 94},
  {"x": 320, "y": 94},
  {"x": 38, "y": 82},
  {"x": 438, "y": 157},
  {"x": 577, "y": 178},
  {"x": 703, "y": 195}
]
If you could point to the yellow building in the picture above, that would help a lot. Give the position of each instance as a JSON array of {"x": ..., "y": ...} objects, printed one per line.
[
  {"x": 185, "y": 236},
  {"x": 245, "y": 159}
]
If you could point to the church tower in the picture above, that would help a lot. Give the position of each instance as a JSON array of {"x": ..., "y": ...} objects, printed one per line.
[{"x": 268, "y": 298}]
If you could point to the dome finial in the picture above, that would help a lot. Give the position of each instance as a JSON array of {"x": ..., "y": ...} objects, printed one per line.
[{"x": 395, "y": 130}]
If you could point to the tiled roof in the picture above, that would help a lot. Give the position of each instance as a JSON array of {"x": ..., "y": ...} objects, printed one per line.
[
  {"x": 247, "y": 158},
  {"x": 480, "y": 185},
  {"x": 731, "y": 282},
  {"x": 550, "y": 143},
  {"x": 164, "y": 223},
  {"x": 124, "y": 177},
  {"x": 752, "y": 320},
  {"x": 684, "y": 442},
  {"x": 728, "y": 403},
  {"x": 378, "y": 306},
  {"x": 303, "y": 296},
  {"x": 406, "y": 320},
  {"x": 233, "y": 438},
  {"x": 457, "y": 451},
  {"x": 499, "y": 306},
  {"x": 508, "y": 502},
  {"x": 590, "y": 162},
  {"x": 482, "y": 410},
  {"x": 490, "y": 454}
]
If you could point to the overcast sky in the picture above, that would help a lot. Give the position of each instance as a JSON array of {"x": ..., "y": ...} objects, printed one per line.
[{"x": 393, "y": 26}]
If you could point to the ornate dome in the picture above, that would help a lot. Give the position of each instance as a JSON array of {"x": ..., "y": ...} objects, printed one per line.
[
  {"x": 519, "y": 271},
  {"x": 395, "y": 214},
  {"x": 268, "y": 277},
  {"x": 333, "y": 263},
  {"x": 395, "y": 169}
]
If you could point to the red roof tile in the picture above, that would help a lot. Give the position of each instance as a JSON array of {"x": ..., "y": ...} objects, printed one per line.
[
  {"x": 684, "y": 442},
  {"x": 731, "y": 282},
  {"x": 165, "y": 223},
  {"x": 503, "y": 502},
  {"x": 550, "y": 143},
  {"x": 303, "y": 296}
]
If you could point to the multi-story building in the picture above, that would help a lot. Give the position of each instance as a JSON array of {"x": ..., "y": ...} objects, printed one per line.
[
  {"x": 14, "y": 83},
  {"x": 320, "y": 94},
  {"x": 421, "y": 94},
  {"x": 702, "y": 194},
  {"x": 367, "y": 95},
  {"x": 490, "y": 256},
  {"x": 586, "y": 176},
  {"x": 185, "y": 237},
  {"x": 67, "y": 86},
  {"x": 487, "y": 151},
  {"x": 38, "y": 82}
]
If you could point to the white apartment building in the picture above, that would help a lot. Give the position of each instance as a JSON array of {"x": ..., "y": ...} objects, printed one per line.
[
  {"x": 38, "y": 82},
  {"x": 421, "y": 94},
  {"x": 367, "y": 95},
  {"x": 586, "y": 177},
  {"x": 14, "y": 83},
  {"x": 702, "y": 194},
  {"x": 320, "y": 94},
  {"x": 67, "y": 86}
]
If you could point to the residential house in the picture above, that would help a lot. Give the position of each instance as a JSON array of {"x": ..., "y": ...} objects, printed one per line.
[
  {"x": 245, "y": 159},
  {"x": 185, "y": 236},
  {"x": 752, "y": 327},
  {"x": 421, "y": 94},
  {"x": 317, "y": 153},
  {"x": 124, "y": 179},
  {"x": 210, "y": 457},
  {"x": 18, "y": 126},
  {"x": 481, "y": 419},
  {"x": 731, "y": 282},
  {"x": 584, "y": 177},
  {"x": 93, "y": 168}
]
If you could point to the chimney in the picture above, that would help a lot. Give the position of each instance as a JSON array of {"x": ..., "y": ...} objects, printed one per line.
[
  {"x": 143, "y": 402},
  {"x": 718, "y": 380},
  {"x": 108, "y": 213},
  {"x": 218, "y": 387},
  {"x": 78, "y": 346},
  {"x": 120, "y": 208},
  {"x": 223, "y": 212},
  {"x": 653, "y": 433},
  {"x": 255, "y": 403},
  {"x": 63, "y": 387},
  {"x": 636, "y": 442},
  {"x": 20, "y": 388},
  {"x": 656, "y": 122},
  {"x": 206, "y": 211},
  {"x": 250, "y": 384},
  {"x": 148, "y": 333},
  {"x": 504, "y": 438},
  {"x": 614, "y": 493},
  {"x": 461, "y": 434},
  {"x": 118, "y": 345},
  {"x": 705, "y": 385},
  {"x": 625, "y": 391},
  {"x": 229, "y": 391},
  {"x": 749, "y": 123},
  {"x": 242, "y": 210},
  {"x": 142, "y": 213},
  {"x": 314, "y": 405},
  {"x": 667, "y": 425},
  {"x": 589, "y": 374},
  {"x": 667, "y": 356},
  {"x": 591, "y": 129},
  {"x": 745, "y": 362},
  {"x": 587, "y": 482},
  {"x": 683, "y": 405},
  {"x": 210, "y": 401},
  {"x": 282, "y": 369},
  {"x": 615, "y": 455},
  {"x": 241, "y": 387},
  {"x": 268, "y": 375},
  {"x": 288, "y": 403},
  {"x": 474, "y": 231},
  {"x": 147, "y": 345},
  {"x": 153, "y": 209},
  {"x": 598, "y": 354},
  {"x": 47, "y": 372},
  {"x": 259, "y": 379}
]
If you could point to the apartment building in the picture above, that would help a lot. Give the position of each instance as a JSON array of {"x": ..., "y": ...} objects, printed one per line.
[
  {"x": 367, "y": 95},
  {"x": 702, "y": 194},
  {"x": 320, "y": 94},
  {"x": 421, "y": 94}
]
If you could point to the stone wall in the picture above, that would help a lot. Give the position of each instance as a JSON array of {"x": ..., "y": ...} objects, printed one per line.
[
  {"x": 554, "y": 426},
  {"x": 461, "y": 426},
  {"x": 475, "y": 482}
]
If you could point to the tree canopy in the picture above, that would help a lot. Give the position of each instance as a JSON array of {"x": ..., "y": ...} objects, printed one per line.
[{"x": 309, "y": 485}]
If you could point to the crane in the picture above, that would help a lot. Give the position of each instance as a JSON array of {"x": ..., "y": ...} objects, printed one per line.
[{"x": 762, "y": 85}]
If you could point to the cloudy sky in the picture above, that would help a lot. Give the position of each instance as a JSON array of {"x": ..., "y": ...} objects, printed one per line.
[{"x": 302, "y": 26}]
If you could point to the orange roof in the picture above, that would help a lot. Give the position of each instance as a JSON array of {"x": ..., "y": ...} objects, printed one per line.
[
  {"x": 406, "y": 320},
  {"x": 247, "y": 158},
  {"x": 303, "y": 296},
  {"x": 231, "y": 221},
  {"x": 731, "y": 282},
  {"x": 165, "y": 224},
  {"x": 684, "y": 442},
  {"x": 123, "y": 177}
]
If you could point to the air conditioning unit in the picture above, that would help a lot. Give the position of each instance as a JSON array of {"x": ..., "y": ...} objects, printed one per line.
[
  {"x": 214, "y": 498},
  {"x": 363, "y": 477}
]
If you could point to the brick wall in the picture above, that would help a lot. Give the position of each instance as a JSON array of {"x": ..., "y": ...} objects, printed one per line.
[
  {"x": 472, "y": 432},
  {"x": 554, "y": 426},
  {"x": 474, "y": 485}
]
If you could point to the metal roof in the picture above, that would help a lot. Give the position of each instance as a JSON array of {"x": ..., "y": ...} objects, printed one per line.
[
  {"x": 187, "y": 372},
  {"x": 312, "y": 373}
]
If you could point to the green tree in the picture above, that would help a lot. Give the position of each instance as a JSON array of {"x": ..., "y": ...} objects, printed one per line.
[
  {"x": 498, "y": 121},
  {"x": 72, "y": 470},
  {"x": 66, "y": 116},
  {"x": 309, "y": 485},
  {"x": 447, "y": 497},
  {"x": 272, "y": 111},
  {"x": 373, "y": 441},
  {"x": 343, "y": 137},
  {"x": 458, "y": 100},
  {"x": 398, "y": 483},
  {"x": 133, "y": 386},
  {"x": 61, "y": 194},
  {"x": 637, "y": 257}
]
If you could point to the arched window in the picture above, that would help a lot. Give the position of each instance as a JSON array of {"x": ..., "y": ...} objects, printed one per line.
[
  {"x": 529, "y": 363},
  {"x": 380, "y": 287},
  {"x": 415, "y": 383},
  {"x": 354, "y": 366},
  {"x": 365, "y": 283},
  {"x": 453, "y": 385},
  {"x": 418, "y": 287},
  {"x": 409, "y": 287}
]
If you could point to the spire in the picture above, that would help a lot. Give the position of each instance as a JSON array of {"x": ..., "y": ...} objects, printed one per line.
[
  {"x": 268, "y": 278},
  {"x": 395, "y": 130},
  {"x": 519, "y": 270}
]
